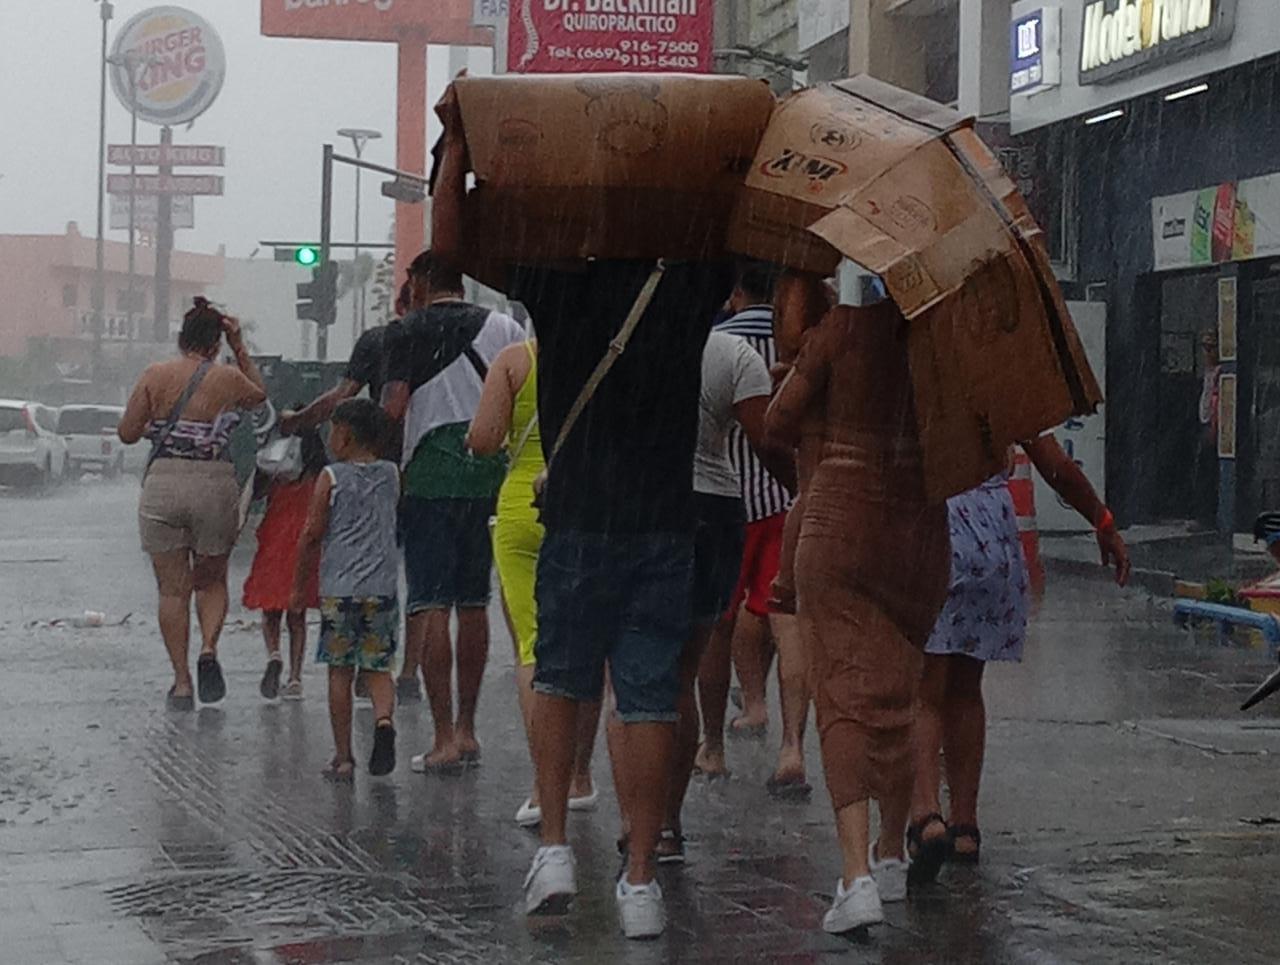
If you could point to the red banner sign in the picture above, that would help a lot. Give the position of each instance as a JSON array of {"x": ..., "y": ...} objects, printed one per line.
[
  {"x": 207, "y": 184},
  {"x": 427, "y": 21},
  {"x": 181, "y": 155},
  {"x": 576, "y": 36}
]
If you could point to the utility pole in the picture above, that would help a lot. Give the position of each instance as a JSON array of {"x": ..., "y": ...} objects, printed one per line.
[
  {"x": 164, "y": 243},
  {"x": 99, "y": 298}
]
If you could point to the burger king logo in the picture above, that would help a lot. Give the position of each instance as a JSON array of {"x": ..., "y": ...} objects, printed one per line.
[{"x": 177, "y": 64}]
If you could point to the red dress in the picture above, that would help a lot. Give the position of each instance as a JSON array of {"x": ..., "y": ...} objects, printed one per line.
[{"x": 271, "y": 577}]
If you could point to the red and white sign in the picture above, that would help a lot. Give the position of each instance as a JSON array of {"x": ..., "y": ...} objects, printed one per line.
[
  {"x": 206, "y": 184},
  {"x": 581, "y": 36},
  {"x": 180, "y": 155},
  {"x": 172, "y": 61},
  {"x": 430, "y": 21}
]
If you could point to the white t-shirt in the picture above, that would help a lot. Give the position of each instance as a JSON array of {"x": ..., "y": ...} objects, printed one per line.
[{"x": 732, "y": 372}]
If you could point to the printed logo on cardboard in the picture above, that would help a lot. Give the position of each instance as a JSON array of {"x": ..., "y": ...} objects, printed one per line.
[
  {"x": 817, "y": 169},
  {"x": 834, "y": 135},
  {"x": 629, "y": 118}
]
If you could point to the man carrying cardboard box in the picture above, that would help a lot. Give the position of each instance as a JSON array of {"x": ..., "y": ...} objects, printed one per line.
[{"x": 615, "y": 571}]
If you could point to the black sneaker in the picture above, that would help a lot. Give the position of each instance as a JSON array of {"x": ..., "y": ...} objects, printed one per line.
[
  {"x": 270, "y": 686},
  {"x": 210, "y": 684},
  {"x": 383, "y": 759},
  {"x": 408, "y": 690}
]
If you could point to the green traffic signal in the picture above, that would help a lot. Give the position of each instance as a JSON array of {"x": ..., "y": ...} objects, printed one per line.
[{"x": 307, "y": 257}]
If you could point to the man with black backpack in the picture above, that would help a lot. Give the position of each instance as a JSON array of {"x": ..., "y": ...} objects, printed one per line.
[{"x": 437, "y": 359}]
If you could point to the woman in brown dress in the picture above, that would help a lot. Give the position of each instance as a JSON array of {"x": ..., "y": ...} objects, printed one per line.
[{"x": 871, "y": 569}]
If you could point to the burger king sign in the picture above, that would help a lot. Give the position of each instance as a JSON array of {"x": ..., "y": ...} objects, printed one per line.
[{"x": 177, "y": 61}]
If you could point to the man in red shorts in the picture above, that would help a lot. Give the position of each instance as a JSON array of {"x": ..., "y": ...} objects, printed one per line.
[{"x": 745, "y": 629}]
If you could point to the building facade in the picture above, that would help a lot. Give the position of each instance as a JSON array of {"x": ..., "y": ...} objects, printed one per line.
[
  {"x": 47, "y": 312},
  {"x": 1160, "y": 177}
]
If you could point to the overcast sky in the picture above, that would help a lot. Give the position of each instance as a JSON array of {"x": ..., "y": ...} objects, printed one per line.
[{"x": 282, "y": 99}]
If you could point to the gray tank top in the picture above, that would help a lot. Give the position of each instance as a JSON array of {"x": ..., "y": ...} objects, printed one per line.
[{"x": 359, "y": 556}]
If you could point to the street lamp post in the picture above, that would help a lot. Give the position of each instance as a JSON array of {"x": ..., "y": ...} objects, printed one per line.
[
  {"x": 105, "y": 12},
  {"x": 359, "y": 137}
]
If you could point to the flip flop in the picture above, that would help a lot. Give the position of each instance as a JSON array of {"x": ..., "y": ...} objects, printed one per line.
[
  {"x": 340, "y": 772},
  {"x": 469, "y": 759},
  {"x": 418, "y": 764},
  {"x": 179, "y": 704},
  {"x": 210, "y": 684},
  {"x": 383, "y": 759},
  {"x": 788, "y": 788}
]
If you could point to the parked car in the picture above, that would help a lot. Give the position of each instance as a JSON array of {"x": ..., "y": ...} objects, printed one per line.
[
  {"x": 92, "y": 444},
  {"x": 31, "y": 451}
]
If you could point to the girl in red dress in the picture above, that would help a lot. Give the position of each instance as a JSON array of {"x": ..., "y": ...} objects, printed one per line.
[{"x": 271, "y": 577}]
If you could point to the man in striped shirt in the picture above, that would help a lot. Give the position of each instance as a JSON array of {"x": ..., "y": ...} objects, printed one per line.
[{"x": 744, "y": 631}]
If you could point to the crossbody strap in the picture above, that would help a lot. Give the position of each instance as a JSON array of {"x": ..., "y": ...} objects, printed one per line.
[
  {"x": 175, "y": 413},
  {"x": 616, "y": 347}
]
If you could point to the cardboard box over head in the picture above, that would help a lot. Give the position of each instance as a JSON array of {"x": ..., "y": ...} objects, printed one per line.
[
  {"x": 606, "y": 165},
  {"x": 822, "y": 143},
  {"x": 995, "y": 358}
]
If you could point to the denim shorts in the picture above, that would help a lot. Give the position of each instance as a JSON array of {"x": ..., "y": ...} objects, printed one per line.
[
  {"x": 718, "y": 544},
  {"x": 616, "y": 599},
  {"x": 448, "y": 555}
]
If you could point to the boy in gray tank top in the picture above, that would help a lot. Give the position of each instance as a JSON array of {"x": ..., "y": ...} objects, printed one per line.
[{"x": 352, "y": 527}]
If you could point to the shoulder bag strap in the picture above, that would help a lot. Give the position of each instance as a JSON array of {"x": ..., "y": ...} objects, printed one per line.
[
  {"x": 616, "y": 348},
  {"x": 176, "y": 412},
  {"x": 477, "y": 362}
]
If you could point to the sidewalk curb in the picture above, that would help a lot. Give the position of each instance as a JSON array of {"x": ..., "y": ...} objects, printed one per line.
[{"x": 1157, "y": 582}]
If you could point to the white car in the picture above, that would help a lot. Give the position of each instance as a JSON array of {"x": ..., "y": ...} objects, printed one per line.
[
  {"x": 92, "y": 444},
  {"x": 31, "y": 451}
]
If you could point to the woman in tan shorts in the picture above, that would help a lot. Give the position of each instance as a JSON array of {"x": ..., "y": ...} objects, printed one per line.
[{"x": 189, "y": 511}]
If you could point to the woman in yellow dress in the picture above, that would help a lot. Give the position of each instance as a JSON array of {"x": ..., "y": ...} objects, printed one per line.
[{"x": 508, "y": 416}]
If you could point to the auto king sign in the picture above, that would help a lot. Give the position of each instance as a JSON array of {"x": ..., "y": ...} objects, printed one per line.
[{"x": 1120, "y": 37}]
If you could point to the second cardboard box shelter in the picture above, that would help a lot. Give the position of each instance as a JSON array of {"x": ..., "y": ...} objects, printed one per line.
[{"x": 904, "y": 187}]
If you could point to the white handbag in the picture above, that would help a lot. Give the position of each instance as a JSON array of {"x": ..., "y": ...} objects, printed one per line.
[{"x": 281, "y": 458}]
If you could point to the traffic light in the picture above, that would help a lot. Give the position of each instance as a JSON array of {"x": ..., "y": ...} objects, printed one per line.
[
  {"x": 318, "y": 298},
  {"x": 307, "y": 256}
]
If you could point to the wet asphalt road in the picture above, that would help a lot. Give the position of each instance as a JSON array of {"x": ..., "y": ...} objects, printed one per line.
[{"x": 1130, "y": 813}]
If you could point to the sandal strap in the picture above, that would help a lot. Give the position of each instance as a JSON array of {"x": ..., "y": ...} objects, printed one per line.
[{"x": 915, "y": 830}]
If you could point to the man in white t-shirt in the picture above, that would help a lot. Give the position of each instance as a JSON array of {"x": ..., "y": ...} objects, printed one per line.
[
  {"x": 437, "y": 359},
  {"x": 735, "y": 392}
]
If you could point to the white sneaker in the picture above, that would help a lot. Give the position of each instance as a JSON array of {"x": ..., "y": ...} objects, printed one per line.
[
  {"x": 855, "y": 908},
  {"x": 587, "y": 803},
  {"x": 551, "y": 883},
  {"x": 529, "y": 815},
  {"x": 890, "y": 876},
  {"x": 640, "y": 909}
]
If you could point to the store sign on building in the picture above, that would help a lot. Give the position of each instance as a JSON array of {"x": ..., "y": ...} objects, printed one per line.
[
  {"x": 1235, "y": 221},
  {"x": 1035, "y": 61},
  {"x": 1121, "y": 37},
  {"x": 588, "y": 36}
]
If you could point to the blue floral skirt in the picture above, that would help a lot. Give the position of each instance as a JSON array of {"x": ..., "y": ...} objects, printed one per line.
[{"x": 985, "y": 616}]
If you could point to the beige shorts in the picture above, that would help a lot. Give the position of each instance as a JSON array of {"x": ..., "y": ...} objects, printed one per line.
[{"x": 190, "y": 504}]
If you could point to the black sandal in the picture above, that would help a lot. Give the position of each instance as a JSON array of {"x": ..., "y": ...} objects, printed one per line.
[
  {"x": 927, "y": 856},
  {"x": 383, "y": 759},
  {"x": 209, "y": 680},
  {"x": 973, "y": 834}
]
